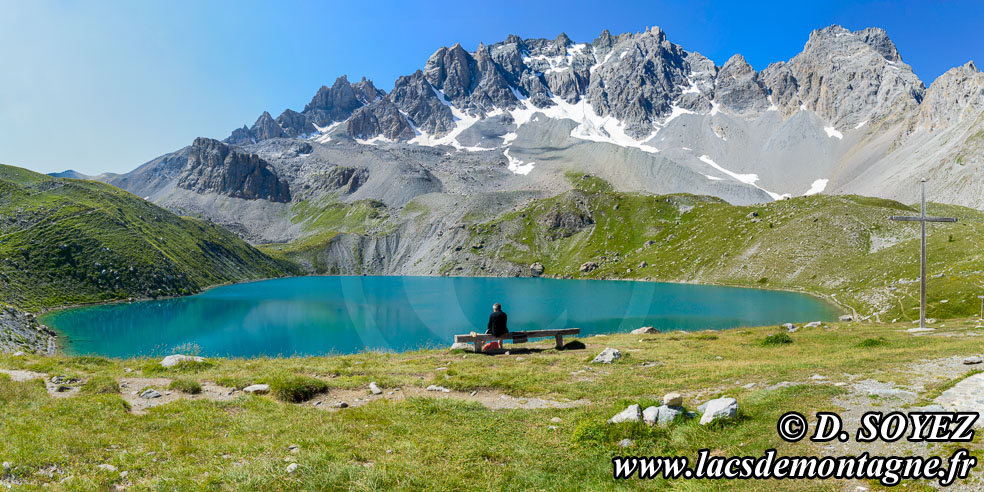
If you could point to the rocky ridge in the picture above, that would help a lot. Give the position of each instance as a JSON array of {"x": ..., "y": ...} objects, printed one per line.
[{"x": 21, "y": 331}]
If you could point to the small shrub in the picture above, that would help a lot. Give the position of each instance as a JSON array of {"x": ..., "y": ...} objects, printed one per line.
[
  {"x": 185, "y": 385},
  {"x": 592, "y": 432},
  {"x": 706, "y": 336},
  {"x": 101, "y": 385},
  {"x": 873, "y": 342},
  {"x": 296, "y": 389},
  {"x": 777, "y": 339}
]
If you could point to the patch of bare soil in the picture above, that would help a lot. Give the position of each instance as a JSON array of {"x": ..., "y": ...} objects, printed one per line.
[{"x": 131, "y": 388}]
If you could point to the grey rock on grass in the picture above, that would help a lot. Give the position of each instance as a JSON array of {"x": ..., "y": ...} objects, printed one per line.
[
  {"x": 607, "y": 356},
  {"x": 630, "y": 414},
  {"x": 662, "y": 415},
  {"x": 719, "y": 409},
  {"x": 173, "y": 360},
  {"x": 150, "y": 394},
  {"x": 257, "y": 389}
]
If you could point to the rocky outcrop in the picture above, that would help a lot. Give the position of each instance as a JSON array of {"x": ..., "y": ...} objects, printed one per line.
[
  {"x": 956, "y": 95},
  {"x": 382, "y": 118},
  {"x": 20, "y": 331},
  {"x": 415, "y": 97},
  {"x": 342, "y": 178},
  {"x": 214, "y": 167},
  {"x": 851, "y": 78},
  {"x": 738, "y": 88}
]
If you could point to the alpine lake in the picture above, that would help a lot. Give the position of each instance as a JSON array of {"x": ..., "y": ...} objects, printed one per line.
[{"x": 348, "y": 314}]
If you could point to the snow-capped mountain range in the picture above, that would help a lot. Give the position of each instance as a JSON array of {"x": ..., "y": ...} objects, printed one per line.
[{"x": 846, "y": 115}]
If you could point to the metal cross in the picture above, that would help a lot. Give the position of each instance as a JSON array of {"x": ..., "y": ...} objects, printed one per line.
[{"x": 923, "y": 219}]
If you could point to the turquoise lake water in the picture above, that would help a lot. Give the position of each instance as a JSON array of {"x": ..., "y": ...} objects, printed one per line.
[{"x": 325, "y": 315}]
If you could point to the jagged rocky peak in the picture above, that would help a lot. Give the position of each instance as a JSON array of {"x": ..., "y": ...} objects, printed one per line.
[
  {"x": 639, "y": 80},
  {"x": 956, "y": 95},
  {"x": 879, "y": 41},
  {"x": 452, "y": 71},
  {"x": 738, "y": 88},
  {"x": 266, "y": 127},
  {"x": 329, "y": 105},
  {"x": 295, "y": 124},
  {"x": 415, "y": 97},
  {"x": 216, "y": 167},
  {"x": 336, "y": 103},
  {"x": 850, "y": 78}
]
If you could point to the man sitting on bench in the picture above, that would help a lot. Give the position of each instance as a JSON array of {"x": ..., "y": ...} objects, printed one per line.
[{"x": 497, "y": 328}]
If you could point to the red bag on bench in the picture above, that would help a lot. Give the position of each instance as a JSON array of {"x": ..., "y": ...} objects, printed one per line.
[{"x": 493, "y": 345}]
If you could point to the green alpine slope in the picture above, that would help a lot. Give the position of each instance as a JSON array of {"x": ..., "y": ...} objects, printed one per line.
[
  {"x": 840, "y": 247},
  {"x": 66, "y": 241}
]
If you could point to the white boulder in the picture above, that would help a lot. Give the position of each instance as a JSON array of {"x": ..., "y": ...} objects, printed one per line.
[
  {"x": 257, "y": 389},
  {"x": 630, "y": 414},
  {"x": 173, "y": 360},
  {"x": 719, "y": 409}
]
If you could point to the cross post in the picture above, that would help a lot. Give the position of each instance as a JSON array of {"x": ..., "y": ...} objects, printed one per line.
[{"x": 922, "y": 219}]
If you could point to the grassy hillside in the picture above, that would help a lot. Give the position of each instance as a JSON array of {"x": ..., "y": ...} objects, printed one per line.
[
  {"x": 842, "y": 247},
  {"x": 65, "y": 241}
]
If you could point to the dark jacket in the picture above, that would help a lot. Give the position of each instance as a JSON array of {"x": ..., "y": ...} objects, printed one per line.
[{"x": 497, "y": 324}]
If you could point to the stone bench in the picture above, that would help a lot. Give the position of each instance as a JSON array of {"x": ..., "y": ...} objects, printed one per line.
[{"x": 517, "y": 337}]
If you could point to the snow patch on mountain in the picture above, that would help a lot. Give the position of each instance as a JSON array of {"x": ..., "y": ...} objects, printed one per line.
[
  {"x": 462, "y": 121},
  {"x": 517, "y": 166},
  {"x": 749, "y": 179},
  {"x": 817, "y": 187},
  {"x": 833, "y": 133},
  {"x": 591, "y": 126}
]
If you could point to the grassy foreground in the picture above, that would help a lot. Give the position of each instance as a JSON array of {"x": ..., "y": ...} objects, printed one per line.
[{"x": 436, "y": 443}]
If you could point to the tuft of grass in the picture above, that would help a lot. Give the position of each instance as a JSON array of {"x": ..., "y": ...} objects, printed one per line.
[
  {"x": 186, "y": 385},
  {"x": 872, "y": 342},
  {"x": 153, "y": 367},
  {"x": 234, "y": 382},
  {"x": 101, "y": 385},
  {"x": 296, "y": 389},
  {"x": 777, "y": 339}
]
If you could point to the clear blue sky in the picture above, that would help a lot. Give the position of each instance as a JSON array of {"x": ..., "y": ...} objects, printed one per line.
[{"x": 106, "y": 85}]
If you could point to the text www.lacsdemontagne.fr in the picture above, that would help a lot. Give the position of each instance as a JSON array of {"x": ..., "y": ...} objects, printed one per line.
[{"x": 888, "y": 470}]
